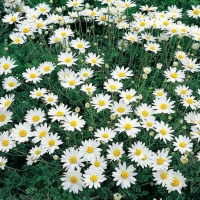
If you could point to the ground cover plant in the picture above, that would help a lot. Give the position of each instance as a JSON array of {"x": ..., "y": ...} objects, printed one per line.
[{"x": 99, "y": 100}]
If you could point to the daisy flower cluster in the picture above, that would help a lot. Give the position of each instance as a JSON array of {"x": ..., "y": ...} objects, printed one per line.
[{"x": 108, "y": 94}]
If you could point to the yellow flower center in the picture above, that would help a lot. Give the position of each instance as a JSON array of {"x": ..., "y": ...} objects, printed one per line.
[
  {"x": 174, "y": 75},
  {"x": 11, "y": 84},
  {"x": 73, "y": 159},
  {"x": 72, "y": 82},
  {"x": 116, "y": 152},
  {"x": 128, "y": 126},
  {"x": 88, "y": 88},
  {"x": 160, "y": 93},
  {"x": 163, "y": 106},
  {"x": 51, "y": 143},
  {"x": 13, "y": 19},
  {"x": 103, "y": 18},
  {"x": 39, "y": 25},
  {"x": 37, "y": 152},
  {"x": 85, "y": 74},
  {"x": 152, "y": 48},
  {"x": 196, "y": 12},
  {"x": 144, "y": 157},
  {"x": 68, "y": 60},
  {"x": 94, "y": 61},
  {"x": 50, "y": 99},
  {"x": 47, "y": 68},
  {"x": 163, "y": 175},
  {"x": 163, "y": 131},
  {"x": 5, "y": 143},
  {"x": 145, "y": 113},
  {"x": 113, "y": 87},
  {"x": 149, "y": 124},
  {"x": 183, "y": 30},
  {"x": 90, "y": 149},
  {"x": 22, "y": 133},
  {"x": 92, "y": 13},
  {"x": 7, "y": 103},
  {"x": 183, "y": 91},
  {"x": 38, "y": 94},
  {"x": 182, "y": 144},
  {"x": 26, "y": 30},
  {"x": 173, "y": 30},
  {"x": 128, "y": 96},
  {"x": 1, "y": 163},
  {"x": 132, "y": 39},
  {"x": 166, "y": 23},
  {"x": 126, "y": 5},
  {"x": 60, "y": 114},
  {"x": 138, "y": 152},
  {"x": 42, "y": 134},
  {"x": 56, "y": 39},
  {"x": 36, "y": 118},
  {"x": 73, "y": 179},
  {"x": 94, "y": 178},
  {"x": 75, "y": 4},
  {"x": 102, "y": 103},
  {"x": 33, "y": 75},
  {"x": 80, "y": 45},
  {"x": 180, "y": 56},
  {"x": 2, "y": 117},
  {"x": 120, "y": 109},
  {"x": 160, "y": 161},
  {"x": 142, "y": 23},
  {"x": 124, "y": 174},
  {"x": 121, "y": 74},
  {"x": 175, "y": 182},
  {"x": 189, "y": 101},
  {"x": 42, "y": 9},
  {"x": 105, "y": 135},
  {"x": 63, "y": 34},
  {"x": 73, "y": 123},
  {"x": 6, "y": 66},
  {"x": 17, "y": 40},
  {"x": 97, "y": 163}
]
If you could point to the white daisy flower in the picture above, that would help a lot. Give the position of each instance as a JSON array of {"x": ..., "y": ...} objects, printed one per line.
[
  {"x": 125, "y": 176},
  {"x": 21, "y": 132},
  {"x": 51, "y": 142},
  {"x": 35, "y": 116},
  {"x": 6, "y": 101},
  {"x": 10, "y": 83},
  {"x": 101, "y": 102},
  {"x": 128, "y": 125},
  {"x": 104, "y": 134},
  {"x": 161, "y": 160},
  {"x": 72, "y": 122},
  {"x": 177, "y": 183},
  {"x": 183, "y": 144},
  {"x": 72, "y": 159},
  {"x": 3, "y": 162},
  {"x": 90, "y": 149},
  {"x": 120, "y": 73},
  {"x": 5, "y": 117},
  {"x": 6, "y": 142},
  {"x": 93, "y": 59},
  {"x": 72, "y": 180},
  {"x": 40, "y": 132},
  {"x": 6, "y": 64},
  {"x": 32, "y": 75},
  {"x": 115, "y": 151},
  {"x": 112, "y": 85},
  {"x": 92, "y": 177},
  {"x": 58, "y": 112}
]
